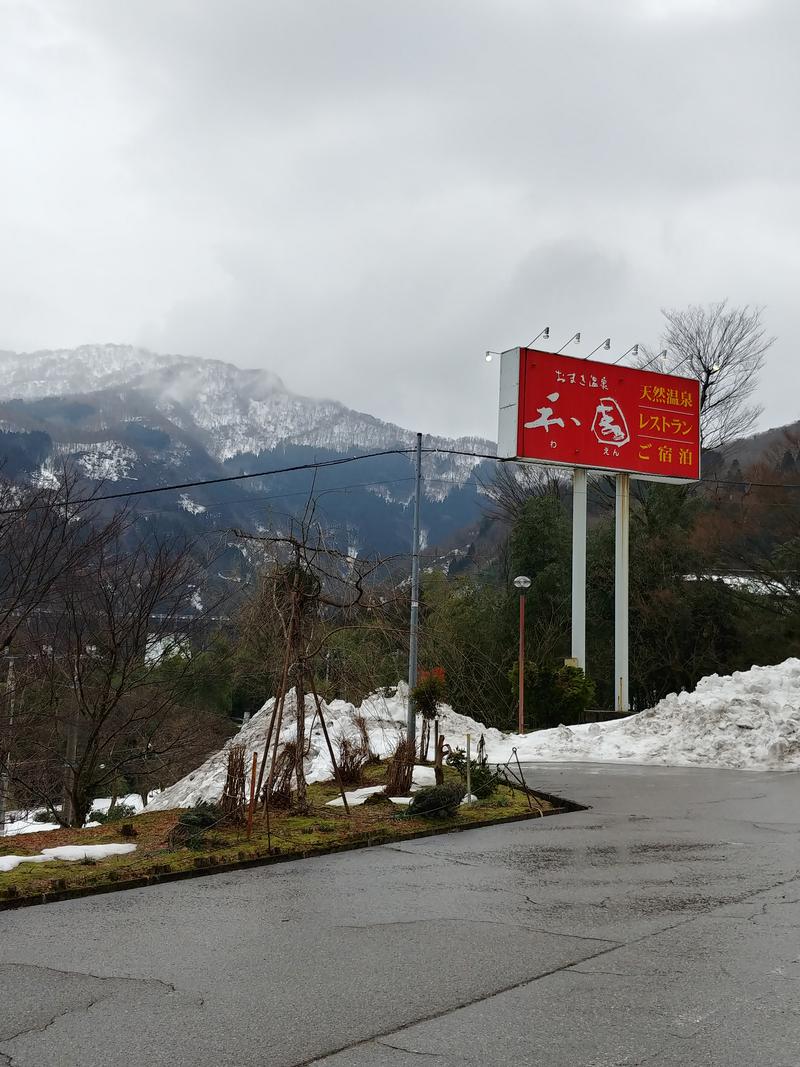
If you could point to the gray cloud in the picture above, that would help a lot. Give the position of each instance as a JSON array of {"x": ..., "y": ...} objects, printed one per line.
[{"x": 363, "y": 197}]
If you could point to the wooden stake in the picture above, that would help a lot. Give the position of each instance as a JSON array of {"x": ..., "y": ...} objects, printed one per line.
[
  {"x": 252, "y": 795},
  {"x": 328, "y": 742}
]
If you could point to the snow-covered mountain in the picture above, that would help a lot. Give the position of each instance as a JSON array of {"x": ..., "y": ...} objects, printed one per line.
[
  {"x": 125, "y": 414},
  {"x": 233, "y": 411}
]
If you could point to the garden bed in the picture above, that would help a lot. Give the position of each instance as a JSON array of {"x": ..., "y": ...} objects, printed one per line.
[{"x": 322, "y": 830}]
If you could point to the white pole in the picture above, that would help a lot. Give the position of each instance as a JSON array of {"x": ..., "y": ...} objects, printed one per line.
[
  {"x": 414, "y": 627},
  {"x": 579, "y": 493},
  {"x": 469, "y": 772},
  {"x": 621, "y": 583}
]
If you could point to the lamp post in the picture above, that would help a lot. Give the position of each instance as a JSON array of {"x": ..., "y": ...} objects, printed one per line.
[{"x": 522, "y": 582}]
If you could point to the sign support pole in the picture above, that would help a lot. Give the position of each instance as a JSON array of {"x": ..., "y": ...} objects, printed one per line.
[
  {"x": 621, "y": 589},
  {"x": 579, "y": 493},
  {"x": 411, "y": 726},
  {"x": 521, "y": 706}
]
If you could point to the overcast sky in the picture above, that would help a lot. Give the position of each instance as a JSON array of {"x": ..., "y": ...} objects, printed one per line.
[{"x": 364, "y": 195}]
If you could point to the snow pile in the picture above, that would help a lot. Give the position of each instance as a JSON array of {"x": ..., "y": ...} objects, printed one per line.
[
  {"x": 384, "y": 715},
  {"x": 71, "y": 853},
  {"x": 749, "y": 720}
]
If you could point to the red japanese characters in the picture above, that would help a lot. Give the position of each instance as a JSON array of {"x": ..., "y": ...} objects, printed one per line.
[{"x": 573, "y": 412}]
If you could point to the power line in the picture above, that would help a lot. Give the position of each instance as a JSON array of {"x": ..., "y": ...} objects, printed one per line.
[
  {"x": 322, "y": 464},
  {"x": 128, "y": 493}
]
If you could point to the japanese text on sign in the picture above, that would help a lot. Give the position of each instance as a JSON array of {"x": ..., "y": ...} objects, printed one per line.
[{"x": 571, "y": 413}]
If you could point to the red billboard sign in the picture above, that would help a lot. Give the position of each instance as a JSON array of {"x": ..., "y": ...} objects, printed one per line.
[{"x": 572, "y": 412}]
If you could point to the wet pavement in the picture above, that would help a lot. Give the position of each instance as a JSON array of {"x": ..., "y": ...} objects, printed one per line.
[{"x": 660, "y": 926}]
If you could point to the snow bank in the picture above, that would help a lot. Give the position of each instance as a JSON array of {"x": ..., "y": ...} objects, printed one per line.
[
  {"x": 71, "y": 853},
  {"x": 384, "y": 715},
  {"x": 750, "y": 719}
]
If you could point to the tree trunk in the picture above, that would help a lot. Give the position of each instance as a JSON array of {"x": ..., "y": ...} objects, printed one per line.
[
  {"x": 438, "y": 757},
  {"x": 300, "y": 692},
  {"x": 68, "y": 806}
]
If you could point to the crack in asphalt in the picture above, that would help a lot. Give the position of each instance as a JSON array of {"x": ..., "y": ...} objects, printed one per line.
[
  {"x": 414, "y": 1052},
  {"x": 170, "y": 988},
  {"x": 478, "y": 922},
  {"x": 73, "y": 1010},
  {"x": 431, "y": 1016},
  {"x": 574, "y": 967},
  {"x": 85, "y": 1005}
]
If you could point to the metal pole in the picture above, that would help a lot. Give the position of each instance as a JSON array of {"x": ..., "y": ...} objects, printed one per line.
[
  {"x": 579, "y": 495},
  {"x": 414, "y": 627},
  {"x": 621, "y": 584},
  {"x": 521, "y": 719}
]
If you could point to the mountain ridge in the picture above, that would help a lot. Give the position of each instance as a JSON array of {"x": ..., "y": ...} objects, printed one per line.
[{"x": 133, "y": 417}]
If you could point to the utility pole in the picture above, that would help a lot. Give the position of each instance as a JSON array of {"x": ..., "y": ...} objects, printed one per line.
[
  {"x": 414, "y": 626},
  {"x": 579, "y": 486}
]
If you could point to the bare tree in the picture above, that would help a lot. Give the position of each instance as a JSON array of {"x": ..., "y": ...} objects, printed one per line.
[
  {"x": 46, "y": 534},
  {"x": 312, "y": 591},
  {"x": 106, "y": 662},
  {"x": 724, "y": 348},
  {"x": 515, "y": 483}
]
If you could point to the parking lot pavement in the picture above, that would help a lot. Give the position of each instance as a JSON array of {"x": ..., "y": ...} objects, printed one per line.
[{"x": 659, "y": 926}]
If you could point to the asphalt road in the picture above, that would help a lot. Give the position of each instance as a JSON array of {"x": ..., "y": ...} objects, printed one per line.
[{"x": 660, "y": 927}]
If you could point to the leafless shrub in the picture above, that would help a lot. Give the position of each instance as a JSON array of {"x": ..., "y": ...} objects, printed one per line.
[
  {"x": 360, "y": 723},
  {"x": 400, "y": 770},
  {"x": 351, "y": 755},
  {"x": 233, "y": 794},
  {"x": 281, "y": 778}
]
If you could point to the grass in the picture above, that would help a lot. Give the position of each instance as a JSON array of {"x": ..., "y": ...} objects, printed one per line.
[{"x": 322, "y": 829}]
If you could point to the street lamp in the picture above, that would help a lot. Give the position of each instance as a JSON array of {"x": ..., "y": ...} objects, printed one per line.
[{"x": 522, "y": 582}]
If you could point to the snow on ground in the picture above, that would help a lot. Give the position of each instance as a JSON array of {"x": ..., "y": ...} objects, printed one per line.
[
  {"x": 385, "y": 717},
  {"x": 71, "y": 853},
  {"x": 749, "y": 720},
  {"x": 421, "y": 777},
  {"x": 23, "y": 822}
]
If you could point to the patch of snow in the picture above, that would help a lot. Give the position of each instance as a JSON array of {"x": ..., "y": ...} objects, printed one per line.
[
  {"x": 186, "y": 502},
  {"x": 107, "y": 461},
  {"x": 422, "y": 776},
  {"x": 46, "y": 477},
  {"x": 355, "y": 796},
  {"x": 70, "y": 853},
  {"x": 23, "y": 822}
]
